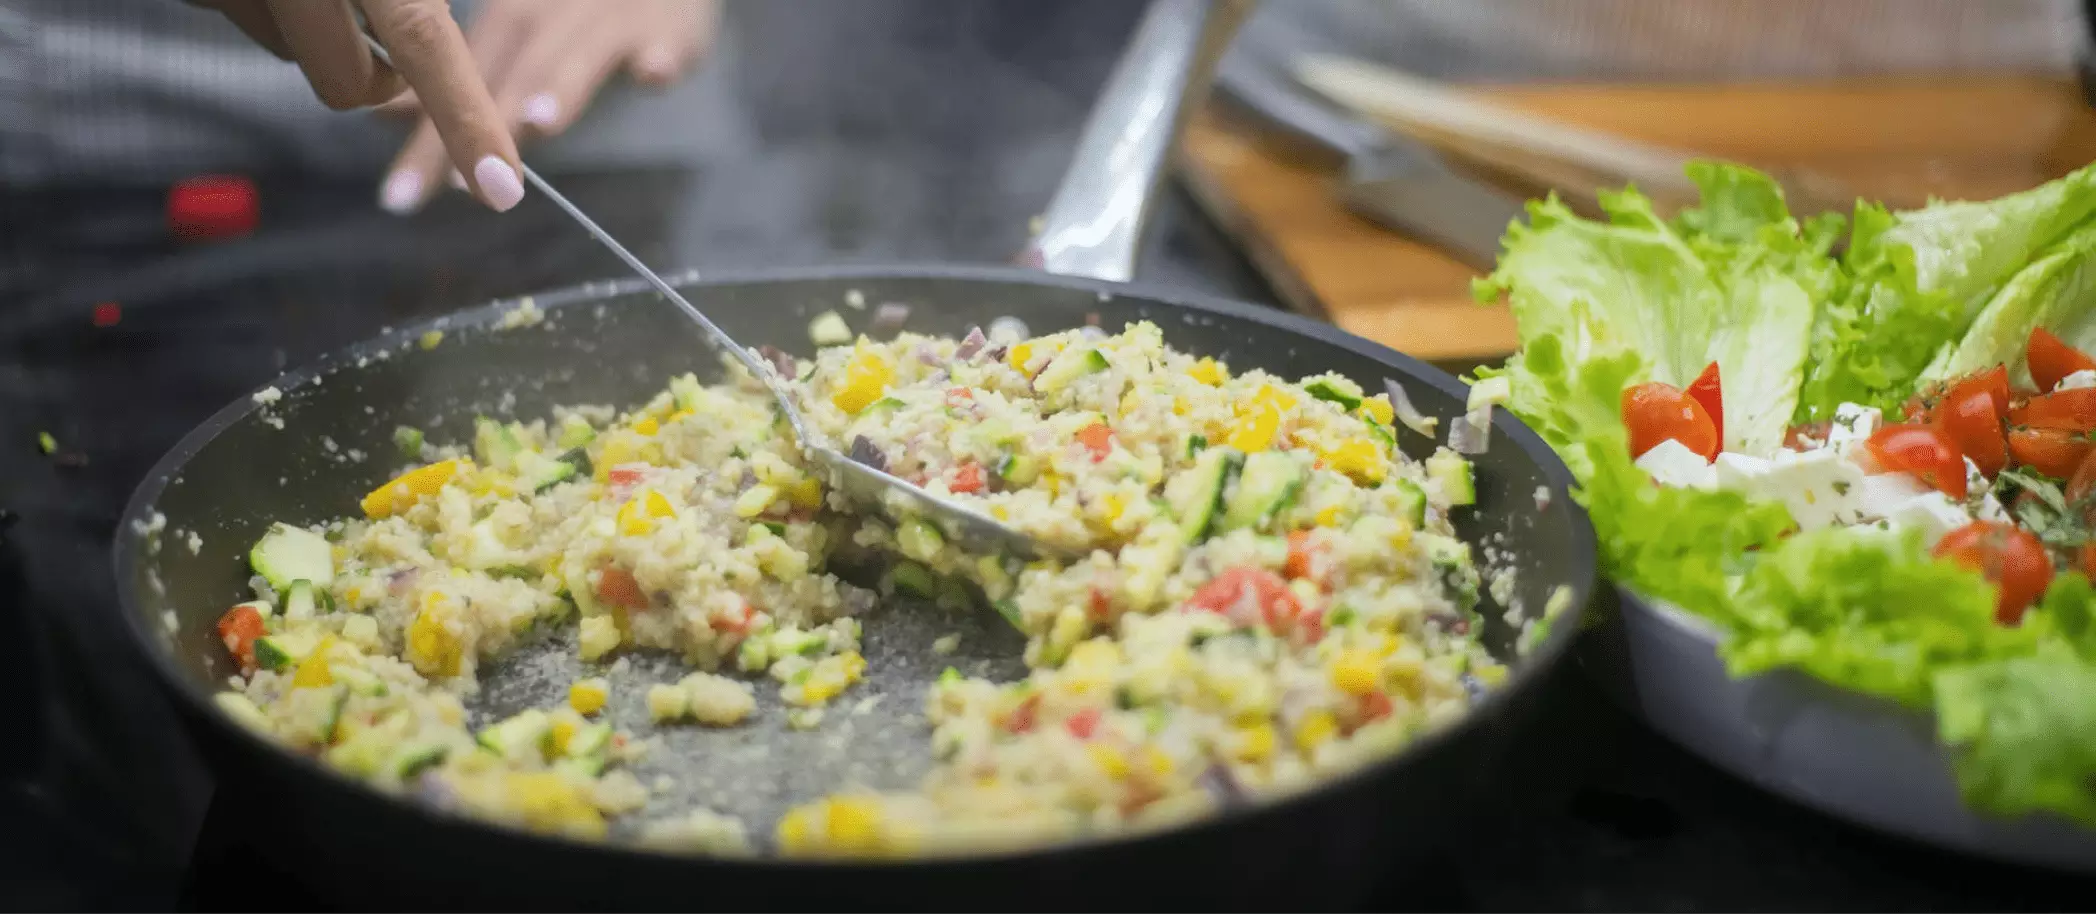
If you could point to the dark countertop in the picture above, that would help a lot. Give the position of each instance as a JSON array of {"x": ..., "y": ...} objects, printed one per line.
[{"x": 100, "y": 804}]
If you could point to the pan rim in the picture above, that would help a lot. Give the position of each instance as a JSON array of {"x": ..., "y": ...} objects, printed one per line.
[{"x": 1583, "y": 574}]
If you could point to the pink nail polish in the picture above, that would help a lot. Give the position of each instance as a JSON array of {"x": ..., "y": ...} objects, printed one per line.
[
  {"x": 499, "y": 184},
  {"x": 541, "y": 110},
  {"x": 401, "y": 192}
]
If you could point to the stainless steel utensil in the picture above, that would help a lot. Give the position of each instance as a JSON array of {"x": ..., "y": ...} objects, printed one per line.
[
  {"x": 896, "y": 498},
  {"x": 1389, "y": 178}
]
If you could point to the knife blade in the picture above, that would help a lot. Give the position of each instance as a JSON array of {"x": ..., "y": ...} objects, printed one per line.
[{"x": 1387, "y": 178}]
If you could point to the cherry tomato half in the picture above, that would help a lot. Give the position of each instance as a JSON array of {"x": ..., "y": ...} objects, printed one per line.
[
  {"x": 239, "y": 628},
  {"x": 2055, "y": 452},
  {"x": 1655, "y": 412},
  {"x": 2009, "y": 556},
  {"x": 2083, "y": 481},
  {"x": 1709, "y": 392},
  {"x": 1924, "y": 451},
  {"x": 1971, "y": 414},
  {"x": 2050, "y": 359},
  {"x": 2073, "y": 410}
]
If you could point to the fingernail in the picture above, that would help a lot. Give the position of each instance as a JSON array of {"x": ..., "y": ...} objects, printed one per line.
[
  {"x": 541, "y": 110},
  {"x": 498, "y": 183},
  {"x": 401, "y": 192},
  {"x": 456, "y": 180}
]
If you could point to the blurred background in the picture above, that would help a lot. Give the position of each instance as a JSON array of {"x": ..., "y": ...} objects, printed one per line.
[{"x": 180, "y": 221}]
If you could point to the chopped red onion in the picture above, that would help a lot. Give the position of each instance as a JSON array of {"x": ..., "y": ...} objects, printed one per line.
[
  {"x": 971, "y": 344},
  {"x": 888, "y": 318},
  {"x": 1471, "y": 434},
  {"x": 864, "y": 451},
  {"x": 1401, "y": 406}
]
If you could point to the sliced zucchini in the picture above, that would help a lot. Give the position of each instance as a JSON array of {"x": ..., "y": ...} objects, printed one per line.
[
  {"x": 287, "y": 553},
  {"x": 1010, "y": 611},
  {"x": 261, "y": 607},
  {"x": 415, "y": 759},
  {"x": 1018, "y": 469},
  {"x": 409, "y": 441},
  {"x": 1266, "y": 486},
  {"x": 1195, "y": 444},
  {"x": 1196, "y": 495},
  {"x": 520, "y": 572},
  {"x": 1069, "y": 365},
  {"x": 754, "y": 656},
  {"x": 518, "y": 737},
  {"x": 882, "y": 405},
  {"x": 1335, "y": 389},
  {"x": 1453, "y": 473},
  {"x": 283, "y": 650},
  {"x": 495, "y": 444},
  {"x": 589, "y": 750},
  {"x": 243, "y": 709},
  {"x": 789, "y": 641},
  {"x": 360, "y": 681},
  {"x": 912, "y": 579},
  {"x": 299, "y": 600},
  {"x": 1411, "y": 501},
  {"x": 543, "y": 472},
  {"x": 829, "y": 329},
  {"x": 331, "y": 720},
  {"x": 575, "y": 432},
  {"x": 918, "y": 540}
]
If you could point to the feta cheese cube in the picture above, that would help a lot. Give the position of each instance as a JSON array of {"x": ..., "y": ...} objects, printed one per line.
[
  {"x": 1884, "y": 493},
  {"x": 2082, "y": 378},
  {"x": 1739, "y": 472},
  {"x": 1819, "y": 487},
  {"x": 1671, "y": 463},
  {"x": 1852, "y": 426},
  {"x": 1934, "y": 513}
]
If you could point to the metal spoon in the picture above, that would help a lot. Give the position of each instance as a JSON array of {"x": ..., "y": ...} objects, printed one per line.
[{"x": 972, "y": 530}]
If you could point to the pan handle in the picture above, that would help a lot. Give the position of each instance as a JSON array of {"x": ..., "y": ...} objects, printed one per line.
[{"x": 1094, "y": 225}]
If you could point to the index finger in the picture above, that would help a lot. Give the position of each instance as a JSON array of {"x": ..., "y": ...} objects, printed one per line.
[{"x": 431, "y": 53}]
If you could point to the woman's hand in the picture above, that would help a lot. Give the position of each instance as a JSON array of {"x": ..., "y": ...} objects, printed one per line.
[
  {"x": 543, "y": 61},
  {"x": 465, "y": 123}
]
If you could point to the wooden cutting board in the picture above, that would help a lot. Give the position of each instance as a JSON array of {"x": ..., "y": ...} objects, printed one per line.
[{"x": 1899, "y": 141}]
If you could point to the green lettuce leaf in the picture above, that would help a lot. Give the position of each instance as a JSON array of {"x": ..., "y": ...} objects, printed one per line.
[
  {"x": 2057, "y": 291},
  {"x": 1917, "y": 279},
  {"x": 1732, "y": 281},
  {"x": 2023, "y": 730}
]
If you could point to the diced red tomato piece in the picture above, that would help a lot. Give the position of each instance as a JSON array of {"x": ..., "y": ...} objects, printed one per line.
[
  {"x": 1708, "y": 391},
  {"x": 968, "y": 477},
  {"x": 618, "y": 587},
  {"x": 2009, "y": 556},
  {"x": 1299, "y": 555},
  {"x": 1083, "y": 723},
  {"x": 1101, "y": 606},
  {"x": 239, "y": 628},
  {"x": 1374, "y": 706},
  {"x": 1971, "y": 414},
  {"x": 2052, "y": 451},
  {"x": 625, "y": 474},
  {"x": 2051, "y": 359},
  {"x": 1655, "y": 412},
  {"x": 1923, "y": 451},
  {"x": 1098, "y": 439},
  {"x": 1311, "y": 626},
  {"x": 1247, "y": 595},
  {"x": 735, "y": 621},
  {"x": 2073, "y": 410},
  {"x": 1022, "y": 717}
]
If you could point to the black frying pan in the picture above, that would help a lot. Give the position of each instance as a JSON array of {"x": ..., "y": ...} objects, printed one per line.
[{"x": 617, "y": 343}]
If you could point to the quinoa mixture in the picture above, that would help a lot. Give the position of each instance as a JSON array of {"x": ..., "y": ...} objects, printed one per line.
[{"x": 1269, "y": 593}]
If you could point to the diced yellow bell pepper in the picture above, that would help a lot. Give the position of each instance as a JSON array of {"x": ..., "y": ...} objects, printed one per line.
[
  {"x": 1208, "y": 371},
  {"x": 1317, "y": 728},
  {"x": 617, "y": 449},
  {"x": 805, "y": 492},
  {"x": 1378, "y": 408},
  {"x": 1256, "y": 427},
  {"x": 647, "y": 426},
  {"x": 563, "y": 730},
  {"x": 432, "y": 647},
  {"x": 753, "y": 502},
  {"x": 793, "y": 829},
  {"x": 1109, "y": 760},
  {"x": 1255, "y": 742},
  {"x": 1158, "y": 761},
  {"x": 403, "y": 491},
  {"x": 854, "y": 824},
  {"x": 866, "y": 377},
  {"x": 587, "y": 696},
  {"x": 548, "y": 802},
  {"x": 631, "y": 521},
  {"x": 1356, "y": 672},
  {"x": 1019, "y": 355},
  {"x": 1491, "y": 674},
  {"x": 1328, "y": 516},
  {"x": 658, "y": 505},
  {"x": 1359, "y": 459},
  {"x": 314, "y": 672}
]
